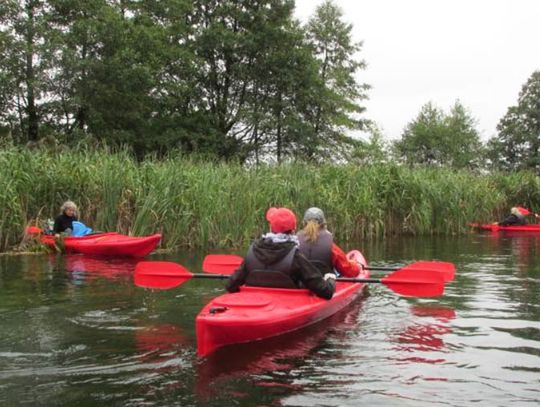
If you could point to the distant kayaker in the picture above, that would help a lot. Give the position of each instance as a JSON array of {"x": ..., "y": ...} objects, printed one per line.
[
  {"x": 274, "y": 260},
  {"x": 68, "y": 223},
  {"x": 317, "y": 245},
  {"x": 516, "y": 218}
]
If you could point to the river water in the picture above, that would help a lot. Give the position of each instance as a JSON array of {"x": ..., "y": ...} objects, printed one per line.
[{"x": 75, "y": 330}]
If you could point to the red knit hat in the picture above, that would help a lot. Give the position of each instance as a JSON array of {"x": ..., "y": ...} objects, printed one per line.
[{"x": 281, "y": 220}]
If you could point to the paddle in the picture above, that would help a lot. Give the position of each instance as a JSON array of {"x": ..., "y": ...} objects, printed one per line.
[
  {"x": 446, "y": 269},
  {"x": 406, "y": 281},
  {"x": 221, "y": 263},
  {"x": 228, "y": 263},
  {"x": 165, "y": 274},
  {"x": 526, "y": 212},
  {"x": 34, "y": 230}
]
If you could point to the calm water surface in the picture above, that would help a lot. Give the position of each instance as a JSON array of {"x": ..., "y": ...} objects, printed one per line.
[{"x": 76, "y": 331}]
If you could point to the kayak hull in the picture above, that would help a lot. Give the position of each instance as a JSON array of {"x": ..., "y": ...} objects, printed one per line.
[
  {"x": 495, "y": 228},
  {"x": 107, "y": 244},
  {"x": 256, "y": 313}
]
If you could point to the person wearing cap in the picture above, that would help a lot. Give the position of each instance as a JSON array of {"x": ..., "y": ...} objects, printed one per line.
[
  {"x": 274, "y": 260},
  {"x": 516, "y": 218},
  {"x": 317, "y": 244}
]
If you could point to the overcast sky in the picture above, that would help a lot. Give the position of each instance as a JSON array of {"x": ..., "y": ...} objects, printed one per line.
[{"x": 478, "y": 51}]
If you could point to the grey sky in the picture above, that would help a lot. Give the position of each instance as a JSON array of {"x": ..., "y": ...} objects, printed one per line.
[{"x": 478, "y": 51}]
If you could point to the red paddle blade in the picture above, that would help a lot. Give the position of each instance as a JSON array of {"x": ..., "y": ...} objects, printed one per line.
[
  {"x": 448, "y": 270},
  {"x": 523, "y": 211},
  {"x": 221, "y": 263},
  {"x": 33, "y": 230},
  {"x": 415, "y": 283},
  {"x": 160, "y": 274}
]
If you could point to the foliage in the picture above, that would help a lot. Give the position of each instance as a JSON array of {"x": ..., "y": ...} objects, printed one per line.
[
  {"x": 336, "y": 106},
  {"x": 517, "y": 146},
  {"x": 374, "y": 150},
  {"x": 199, "y": 203},
  {"x": 234, "y": 79},
  {"x": 26, "y": 58},
  {"x": 438, "y": 139}
]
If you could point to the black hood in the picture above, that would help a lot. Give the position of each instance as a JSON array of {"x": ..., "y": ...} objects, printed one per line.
[{"x": 268, "y": 252}]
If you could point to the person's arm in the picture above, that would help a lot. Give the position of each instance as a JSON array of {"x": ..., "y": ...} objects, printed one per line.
[
  {"x": 57, "y": 228},
  {"x": 342, "y": 264},
  {"x": 236, "y": 279},
  {"x": 312, "y": 279},
  {"x": 508, "y": 221}
]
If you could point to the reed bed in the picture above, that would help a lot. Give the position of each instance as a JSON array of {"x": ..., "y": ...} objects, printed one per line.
[{"x": 197, "y": 203}]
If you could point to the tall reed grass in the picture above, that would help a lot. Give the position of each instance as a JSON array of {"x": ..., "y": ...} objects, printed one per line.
[{"x": 210, "y": 204}]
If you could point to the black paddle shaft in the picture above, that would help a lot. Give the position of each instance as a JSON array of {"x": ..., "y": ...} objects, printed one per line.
[
  {"x": 382, "y": 268},
  {"x": 344, "y": 279}
]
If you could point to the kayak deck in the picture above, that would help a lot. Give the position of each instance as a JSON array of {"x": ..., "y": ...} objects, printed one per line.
[
  {"x": 256, "y": 313},
  {"x": 107, "y": 244}
]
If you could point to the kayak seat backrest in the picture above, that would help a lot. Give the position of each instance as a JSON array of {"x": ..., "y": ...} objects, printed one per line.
[{"x": 269, "y": 278}]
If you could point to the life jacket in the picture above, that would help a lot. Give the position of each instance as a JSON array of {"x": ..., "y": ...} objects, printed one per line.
[
  {"x": 319, "y": 252},
  {"x": 275, "y": 275}
]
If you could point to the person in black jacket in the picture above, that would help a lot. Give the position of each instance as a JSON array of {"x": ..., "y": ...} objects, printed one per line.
[
  {"x": 274, "y": 260},
  {"x": 64, "y": 222},
  {"x": 516, "y": 218}
]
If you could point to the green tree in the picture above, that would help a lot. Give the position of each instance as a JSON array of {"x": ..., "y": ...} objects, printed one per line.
[
  {"x": 7, "y": 82},
  {"x": 286, "y": 78},
  {"x": 517, "y": 146},
  {"x": 235, "y": 43},
  {"x": 464, "y": 148},
  {"x": 336, "y": 107},
  {"x": 24, "y": 64},
  {"x": 121, "y": 71},
  {"x": 374, "y": 150},
  {"x": 76, "y": 39},
  {"x": 436, "y": 138}
]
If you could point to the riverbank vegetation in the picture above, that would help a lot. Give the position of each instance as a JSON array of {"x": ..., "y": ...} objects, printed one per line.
[
  {"x": 198, "y": 203},
  {"x": 212, "y": 111}
]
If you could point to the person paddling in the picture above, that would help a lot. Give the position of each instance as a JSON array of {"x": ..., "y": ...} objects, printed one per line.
[
  {"x": 274, "y": 260},
  {"x": 317, "y": 244},
  {"x": 516, "y": 218}
]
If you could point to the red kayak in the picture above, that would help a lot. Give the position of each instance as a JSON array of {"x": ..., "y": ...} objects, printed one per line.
[
  {"x": 256, "y": 313},
  {"x": 107, "y": 244},
  {"x": 495, "y": 228}
]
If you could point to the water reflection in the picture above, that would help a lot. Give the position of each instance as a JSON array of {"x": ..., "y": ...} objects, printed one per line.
[
  {"x": 160, "y": 341},
  {"x": 523, "y": 248},
  {"x": 83, "y": 268},
  {"x": 425, "y": 334}
]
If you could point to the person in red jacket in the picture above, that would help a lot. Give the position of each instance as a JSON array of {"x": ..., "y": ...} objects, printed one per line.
[{"x": 317, "y": 244}]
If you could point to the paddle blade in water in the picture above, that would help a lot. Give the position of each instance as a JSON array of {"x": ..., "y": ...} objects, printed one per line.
[
  {"x": 221, "y": 263},
  {"x": 415, "y": 283},
  {"x": 160, "y": 274}
]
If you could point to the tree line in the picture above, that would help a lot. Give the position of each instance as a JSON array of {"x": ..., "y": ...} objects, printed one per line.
[
  {"x": 451, "y": 139},
  {"x": 235, "y": 80}
]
